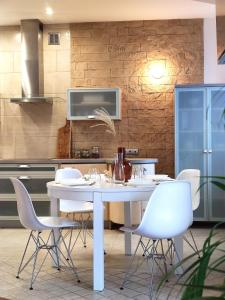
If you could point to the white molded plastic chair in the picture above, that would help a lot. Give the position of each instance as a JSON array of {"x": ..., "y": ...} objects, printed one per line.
[
  {"x": 29, "y": 220},
  {"x": 168, "y": 214},
  {"x": 193, "y": 176},
  {"x": 83, "y": 209}
]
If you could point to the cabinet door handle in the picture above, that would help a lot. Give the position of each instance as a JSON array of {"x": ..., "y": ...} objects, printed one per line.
[
  {"x": 210, "y": 151},
  {"x": 205, "y": 151},
  {"x": 24, "y": 177},
  {"x": 24, "y": 166},
  {"x": 207, "y": 112}
]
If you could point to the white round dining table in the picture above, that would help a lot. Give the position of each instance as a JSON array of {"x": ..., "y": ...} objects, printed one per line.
[{"x": 98, "y": 194}]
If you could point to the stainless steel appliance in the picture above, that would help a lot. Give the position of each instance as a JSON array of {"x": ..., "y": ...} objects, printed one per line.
[{"x": 32, "y": 63}]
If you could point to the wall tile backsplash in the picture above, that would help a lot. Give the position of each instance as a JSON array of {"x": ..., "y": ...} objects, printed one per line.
[{"x": 30, "y": 130}]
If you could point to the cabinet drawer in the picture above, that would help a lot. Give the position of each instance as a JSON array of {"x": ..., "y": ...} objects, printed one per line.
[
  {"x": 33, "y": 184},
  {"x": 9, "y": 208},
  {"x": 24, "y": 168}
]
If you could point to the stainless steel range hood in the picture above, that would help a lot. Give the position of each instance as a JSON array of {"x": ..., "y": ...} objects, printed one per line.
[{"x": 32, "y": 63}]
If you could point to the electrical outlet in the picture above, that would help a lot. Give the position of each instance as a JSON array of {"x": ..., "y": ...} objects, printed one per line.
[{"x": 131, "y": 151}]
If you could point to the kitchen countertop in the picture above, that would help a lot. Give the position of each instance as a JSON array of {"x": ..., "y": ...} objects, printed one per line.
[{"x": 74, "y": 161}]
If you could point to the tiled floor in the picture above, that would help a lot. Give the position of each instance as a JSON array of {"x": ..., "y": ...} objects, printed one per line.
[{"x": 52, "y": 284}]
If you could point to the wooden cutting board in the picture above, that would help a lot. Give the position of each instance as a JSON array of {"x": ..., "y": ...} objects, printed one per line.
[{"x": 64, "y": 141}]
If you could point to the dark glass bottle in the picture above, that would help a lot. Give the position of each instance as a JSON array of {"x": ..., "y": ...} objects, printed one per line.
[
  {"x": 118, "y": 169},
  {"x": 126, "y": 163}
]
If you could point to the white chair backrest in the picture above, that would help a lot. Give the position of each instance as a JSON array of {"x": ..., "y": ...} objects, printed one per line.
[
  {"x": 193, "y": 176},
  {"x": 67, "y": 173},
  {"x": 25, "y": 207},
  {"x": 168, "y": 212}
]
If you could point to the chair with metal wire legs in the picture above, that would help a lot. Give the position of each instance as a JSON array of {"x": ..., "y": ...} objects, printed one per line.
[
  {"x": 81, "y": 211},
  {"x": 37, "y": 225},
  {"x": 79, "y": 208},
  {"x": 168, "y": 214},
  {"x": 193, "y": 176}
]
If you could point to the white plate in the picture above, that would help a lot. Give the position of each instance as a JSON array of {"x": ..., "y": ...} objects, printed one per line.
[
  {"x": 156, "y": 176},
  {"x": 139, "y": 182},
  {"x": 77, "y": 182},
  {"x": 163, "y": 179}
]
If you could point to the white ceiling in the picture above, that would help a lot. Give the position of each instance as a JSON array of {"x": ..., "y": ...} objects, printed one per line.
[{"x": 68, "y": 11}]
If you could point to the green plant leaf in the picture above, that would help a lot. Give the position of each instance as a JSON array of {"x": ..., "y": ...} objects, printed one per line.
[
  {"x": 217, "y": 183},
  {"x": 208, "y": 298},
  {"x": 195, "y": 274},
  {"x": 195, "y": 285}
]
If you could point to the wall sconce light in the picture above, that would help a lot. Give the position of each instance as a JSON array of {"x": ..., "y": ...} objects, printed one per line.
[
  {"x": 157, "y": 70},
  {"x": 49, "y": 11}
]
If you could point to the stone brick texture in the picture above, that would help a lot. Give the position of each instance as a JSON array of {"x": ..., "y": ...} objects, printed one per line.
[
  {"x": 220, "y": 25},
  {"x": 119, "y": 54}
]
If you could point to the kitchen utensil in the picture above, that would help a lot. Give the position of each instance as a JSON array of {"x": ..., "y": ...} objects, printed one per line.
[{"x": 64, "y": 141}]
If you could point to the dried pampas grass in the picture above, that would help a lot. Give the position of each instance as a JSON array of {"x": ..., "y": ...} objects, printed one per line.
[{"x": 101, "y": 114}]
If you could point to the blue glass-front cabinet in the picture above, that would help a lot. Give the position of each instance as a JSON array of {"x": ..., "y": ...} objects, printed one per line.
[{"x": 200, "y": 142}]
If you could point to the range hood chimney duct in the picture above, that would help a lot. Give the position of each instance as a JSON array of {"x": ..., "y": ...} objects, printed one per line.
[{"x": 32, "y": 63}]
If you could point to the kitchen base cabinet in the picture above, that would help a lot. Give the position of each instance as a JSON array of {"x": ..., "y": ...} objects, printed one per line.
[
  {"x": 200, "y": 142},
  {"x": 34, "y": 177}
]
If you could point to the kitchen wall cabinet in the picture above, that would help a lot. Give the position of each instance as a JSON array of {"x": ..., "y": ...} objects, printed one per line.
[
  {"x": 34, "y": 177},
  {"x": 82, "y": 102},
  {"x": 200, "y": 142}
]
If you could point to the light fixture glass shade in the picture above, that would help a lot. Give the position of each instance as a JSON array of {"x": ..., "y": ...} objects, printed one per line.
[{"x": 157, "y": 70}]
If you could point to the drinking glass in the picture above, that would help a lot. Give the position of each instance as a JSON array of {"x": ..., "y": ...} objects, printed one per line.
[
  {"x": 138, "y": 172},
  {"x": 94, "y": 175}
]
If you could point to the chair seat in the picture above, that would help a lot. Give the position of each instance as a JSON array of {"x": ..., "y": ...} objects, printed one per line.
[
  {"x": 68, "y": 206},
  {"x": 149, "y": 233},
  {"x": 57, "y": 222},
  {"x": 129, "y": 229}
]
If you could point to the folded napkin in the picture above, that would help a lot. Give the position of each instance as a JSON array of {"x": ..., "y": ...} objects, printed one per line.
[{"x": 76, "y": 181}]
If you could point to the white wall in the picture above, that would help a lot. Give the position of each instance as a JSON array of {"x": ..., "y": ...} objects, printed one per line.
[{"x": 213, "y": 73}]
